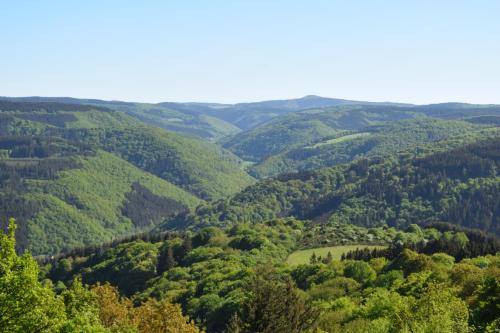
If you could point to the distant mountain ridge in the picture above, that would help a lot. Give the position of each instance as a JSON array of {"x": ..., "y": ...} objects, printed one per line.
[
  {"x": 251, "y": 114},
  {"x": 48, "y": 147},
  {"x": 211, "y": 121},
  {"x": 214, "y": 121}
]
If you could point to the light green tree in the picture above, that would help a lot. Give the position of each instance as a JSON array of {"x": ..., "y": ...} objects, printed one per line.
[
  {"x": 82, "y": 310},
  {"x": 439, "y": 311},
  {"x": 26, "y": 305},
  {"x": 360, "y": 271}
]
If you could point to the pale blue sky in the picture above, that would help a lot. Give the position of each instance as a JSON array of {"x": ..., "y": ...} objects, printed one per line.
[{"x": 227, "y": 51}]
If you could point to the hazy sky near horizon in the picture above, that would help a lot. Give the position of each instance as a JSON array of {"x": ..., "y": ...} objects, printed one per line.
[{"x": 232, "y": 51}]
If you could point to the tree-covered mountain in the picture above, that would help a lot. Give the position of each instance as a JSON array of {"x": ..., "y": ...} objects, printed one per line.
[
  {"x": 459, "y": 186},
  {"x": 202, "y": 168},
  {"x": 187, "y": 122},
  {"x": 177, "y": 120},
  {"x": 238, "y": 280},
  {"x": 211, "y": 121},
  {"x": 62, "y": 203},
  {"x": 77, "y": 174},
  {"x": 377, "y": 140},
  {"x": 42, "y": 142},
  {"x": 250, "y": 115},
  {"x": 303, "y": 128},
  {"x": 216, "y": 121}
]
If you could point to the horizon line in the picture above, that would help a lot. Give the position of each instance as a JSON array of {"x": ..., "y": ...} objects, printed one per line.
[{"x": 104, "y": 99}]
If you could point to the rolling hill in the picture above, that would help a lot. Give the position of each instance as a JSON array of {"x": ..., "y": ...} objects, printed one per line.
[
  {"x": 178, "y": 120},
  {"x": 295, "y": 141},
  {"x": 458, "y": 185},
  {"x": 48, "y": 148},
  {"x": 305, "y": 127},
  {"x": 210, "y": 121},
  {"x": 78, "y": 174},
  {"x": 378, "y": 140},
  {"x": 250, "y": 115}
]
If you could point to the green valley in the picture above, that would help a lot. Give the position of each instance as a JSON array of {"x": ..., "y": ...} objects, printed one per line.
[
  {"x": 161, "y": 173},
  {"x": 414, "y": 135},
  {"x": 395, "y": 227},
  {"x": 78, "y": 174},
  {"x": 457, "y": 185}
]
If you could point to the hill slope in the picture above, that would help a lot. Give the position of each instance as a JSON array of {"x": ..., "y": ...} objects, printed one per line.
[
  {"x": 459, "y": 186},
  {"x": 302, "y": 128},
  {"x": 212, "y": 121},
  {"x": 379, "y": 140},
  {"x": 78, "y": 174},
  {"x": 201, "y": 167},
  {"x": 305, "y": 127},
  {"x": 250, "y": 115},
  {"x": 184, "y": 121},
  {"x": 97, "y": 198}
]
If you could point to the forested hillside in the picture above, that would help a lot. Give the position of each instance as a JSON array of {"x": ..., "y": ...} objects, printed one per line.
[
  {"x": 459, "y": 186},
  {"x": 49, "y": 152},
  {"x": 185, "y": 121},
  {"x": 378, "y": 140},
  {"x": 78, "y": 174},
  {"x": 201, "y": 168},
  {"x": 304, "y": 127},
  {"x": 389, "y": 242},
  {"x": 211, "y": 121},
  {"x": 236, "y": 280},
  {"x": 292, "y": 132},
  {"x": 252, "y": 114}
]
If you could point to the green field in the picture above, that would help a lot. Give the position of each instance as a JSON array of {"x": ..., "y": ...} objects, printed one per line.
[
  {"x": 341, "y": 139},
  {"x": 302, "y": 256}
]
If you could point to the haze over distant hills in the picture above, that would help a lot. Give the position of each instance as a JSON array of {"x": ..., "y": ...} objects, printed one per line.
[
  {"x": 250, "y": 167},
  {"x": 214, "y": 121},
  {"x": 288, "y": 135},
  {"x": 62, "y": 156},
  {"x": 180, "y": 201},
  {"x": 207, "y": 120}
]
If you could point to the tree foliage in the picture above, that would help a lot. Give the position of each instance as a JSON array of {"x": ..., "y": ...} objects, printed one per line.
[
  {"x": 273, "y": 306},
  {"x": 26, "y": 305}
]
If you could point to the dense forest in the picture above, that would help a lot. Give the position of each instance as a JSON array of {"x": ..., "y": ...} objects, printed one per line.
[
  {"x": 301, "y": 128},
  {"x": 170, "y": 194},
  {"x": 221, "y": 122},
  {"x": 236, "y": 280},
  {"x": 78, "y": 174},
  {"x": 305, "y": 127},
  {"x": 416, "y": 135},
  {"x": 389, "y": 224},
  {"x": 210, "y": 121},
  {"x": 459, "y": 186}
]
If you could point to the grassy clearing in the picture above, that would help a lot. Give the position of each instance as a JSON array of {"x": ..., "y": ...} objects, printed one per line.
[
  {"x": 302, "y": 256},
  {"x": 341, "y": 139}
]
